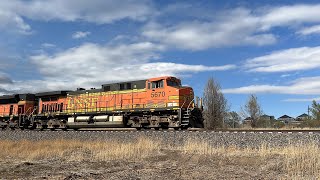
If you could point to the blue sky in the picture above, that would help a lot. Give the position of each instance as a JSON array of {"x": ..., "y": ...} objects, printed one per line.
[{"x": 267, "y": 48}]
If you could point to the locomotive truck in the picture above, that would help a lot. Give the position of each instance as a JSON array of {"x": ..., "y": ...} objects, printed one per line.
[{"x": 160, "y": 102}]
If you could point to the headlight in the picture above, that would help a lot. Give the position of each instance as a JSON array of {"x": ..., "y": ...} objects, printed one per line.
[{"x": 172, "y": 104}]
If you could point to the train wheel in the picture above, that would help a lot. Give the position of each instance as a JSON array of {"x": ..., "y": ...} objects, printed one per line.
[
  {"x": 165, "y": 127},
  {"x": 44, "y": 127},
  {"x": 32, "y": 127}
]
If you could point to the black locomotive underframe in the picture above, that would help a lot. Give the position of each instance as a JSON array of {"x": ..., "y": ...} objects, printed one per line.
[{"x": 139, "y": 118}]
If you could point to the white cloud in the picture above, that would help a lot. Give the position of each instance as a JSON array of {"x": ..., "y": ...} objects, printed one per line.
[
  {"x": 80, "y": 34},
  {"x": 48, "y": 45},
  {"x": 174, "y": 68},
  {"x": 4, "y": 79},
  {"x": 234, "y": 28},
  {"x": 291, "y": 15},
  {"x": 303, "y": 86},
  {"x": 285, "y": 75},
  {"x": 302, "y": 99},
  {"x": 95, "y": 11},
  {"x": 310, "y": 30},
  {"x": 90, "y": 65},
  {"x": 12, "y": 22},
  {"x": 303, "y": 58}
]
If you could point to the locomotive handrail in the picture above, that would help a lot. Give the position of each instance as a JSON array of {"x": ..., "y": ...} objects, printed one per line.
[
  {"x": 185, "y": 99},
  {"x": 27, "y": 111},
  {"x": 189, "y": 106},
  {"x": 34, "y": 109}
]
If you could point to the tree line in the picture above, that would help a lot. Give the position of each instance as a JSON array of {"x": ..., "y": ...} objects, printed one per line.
[{"x": 217, "y": 115}]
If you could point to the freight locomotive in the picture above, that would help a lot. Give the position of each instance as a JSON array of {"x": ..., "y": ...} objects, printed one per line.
[{"x": 160, "y": 102}]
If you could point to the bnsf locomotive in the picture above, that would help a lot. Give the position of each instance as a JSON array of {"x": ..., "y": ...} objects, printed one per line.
[{"x": 153, "y": 103}]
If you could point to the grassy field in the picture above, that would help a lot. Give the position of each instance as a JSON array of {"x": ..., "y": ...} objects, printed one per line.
[
  {"x": 18, "y": 158},
  {"x": 70, "y": 150},
  {"x": 296, "y": 160}
]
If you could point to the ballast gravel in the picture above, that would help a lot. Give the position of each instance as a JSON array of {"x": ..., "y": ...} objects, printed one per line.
[{"x": 169, "y": 137}]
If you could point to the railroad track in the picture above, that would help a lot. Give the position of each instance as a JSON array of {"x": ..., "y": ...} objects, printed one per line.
[{"x": 279, "y": 131}]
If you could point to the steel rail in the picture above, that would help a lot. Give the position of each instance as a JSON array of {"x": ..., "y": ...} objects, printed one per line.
[{"x": 279, "y": 131}]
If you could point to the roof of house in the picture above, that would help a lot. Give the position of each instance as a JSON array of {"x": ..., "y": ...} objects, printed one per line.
[
  {"x": 285, "y": 116},
  {"x": 303, "y": 115},
  {"x": 266, "y": 116}
]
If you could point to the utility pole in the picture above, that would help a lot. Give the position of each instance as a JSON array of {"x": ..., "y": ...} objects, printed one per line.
[
  {"x": 308, "y": 112},
  {"x": 223, "y": 122},
  {"x": 233, "y": 122}
]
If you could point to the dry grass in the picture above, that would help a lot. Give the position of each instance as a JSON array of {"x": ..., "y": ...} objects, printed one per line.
[
  {"x": 296, "y": 160},
  {"x": 74, "y": 150}
]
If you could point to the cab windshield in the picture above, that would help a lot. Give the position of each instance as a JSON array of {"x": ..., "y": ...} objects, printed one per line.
[{"x": 173, "y": 83}]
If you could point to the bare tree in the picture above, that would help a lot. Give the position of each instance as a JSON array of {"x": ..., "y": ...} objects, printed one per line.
[
  {"x": 252, "y": 109},
  {"x": 232, "y": 119},
  {"x": 215, "y": 105},
  {"x": 315, "y": 110}
]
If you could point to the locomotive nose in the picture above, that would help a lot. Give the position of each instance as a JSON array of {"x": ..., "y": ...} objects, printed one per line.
[
  {"x": 186, "y": 91},
  {"x": 187, "y": 95}
]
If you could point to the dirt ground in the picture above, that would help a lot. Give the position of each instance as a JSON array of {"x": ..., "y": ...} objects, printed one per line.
[{"x": 169, "y": 164}]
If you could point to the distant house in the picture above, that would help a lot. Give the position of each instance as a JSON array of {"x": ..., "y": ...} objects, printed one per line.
[
  {"x": 286, "y": 119},
  {"x": 247, "y": 122},
  {"x": 303, "y": 117},
  {"x": 289, "y": 121},
  {"x": 267, "y": 117}
]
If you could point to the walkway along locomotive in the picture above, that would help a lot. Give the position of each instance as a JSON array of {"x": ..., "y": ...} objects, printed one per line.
[{"x": 153, "y": 103}]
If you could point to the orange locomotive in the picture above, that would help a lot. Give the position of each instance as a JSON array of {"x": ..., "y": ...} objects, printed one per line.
[
  {"x": 154, "y": 103},
  {"x": 14, "y": 107}
]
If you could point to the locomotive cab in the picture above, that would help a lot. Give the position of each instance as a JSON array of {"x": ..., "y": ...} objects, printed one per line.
[{"x": 168, "y": 92}]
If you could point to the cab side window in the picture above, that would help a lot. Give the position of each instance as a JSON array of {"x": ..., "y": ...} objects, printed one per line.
[
  {"x": 157, "y": 84},
  {"x": 121, "y": 86}
]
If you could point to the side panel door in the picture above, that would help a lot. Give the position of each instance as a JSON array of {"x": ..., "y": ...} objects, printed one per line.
[{"x": 21, "y": 109}]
